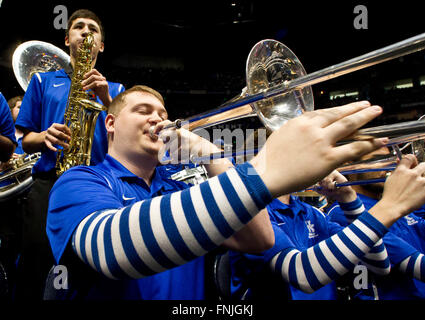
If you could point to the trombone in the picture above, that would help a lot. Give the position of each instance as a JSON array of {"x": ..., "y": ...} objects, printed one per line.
[{"x": 279, "y": 89}]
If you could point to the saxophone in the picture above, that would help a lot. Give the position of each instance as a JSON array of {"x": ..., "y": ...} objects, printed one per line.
[{"x": 80, "y": 114}]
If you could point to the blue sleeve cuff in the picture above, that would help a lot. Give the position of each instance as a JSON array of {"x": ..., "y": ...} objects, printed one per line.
[
  {"x": 254, "y": 184},
  {"x": 373, "y": 224},
  {"x": 350, "y": 206}
]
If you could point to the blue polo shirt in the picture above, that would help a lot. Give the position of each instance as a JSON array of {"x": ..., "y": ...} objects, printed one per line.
[
  {"x": 45, "y": 102},
  {"x": 405, "y": 237},
  {"x": 297, "y": 225},
  {"x": 83, "y": 190},
  {"x": 7, "y": 128}
]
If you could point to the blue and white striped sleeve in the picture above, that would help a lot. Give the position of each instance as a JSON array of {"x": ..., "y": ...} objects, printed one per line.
[
  {"x": 352, "y": 210},
  {"x": 157, "y": 234},
  {"x": 319, "y": 265},
  {"x": 414, "y": 265},
  {"x": 377, "y": 259}
]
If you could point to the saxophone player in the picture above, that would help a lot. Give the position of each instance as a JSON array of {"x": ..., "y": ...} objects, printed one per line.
[{"x": 41, "y": 120}]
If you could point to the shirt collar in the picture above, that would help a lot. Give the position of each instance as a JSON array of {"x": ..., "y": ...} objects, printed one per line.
[
  {"x": 159, "y": 182},
  {"x": 295, "y": 206},
  {"x": 66, "y": 72}
]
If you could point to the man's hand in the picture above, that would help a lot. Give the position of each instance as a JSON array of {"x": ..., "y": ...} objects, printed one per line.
[
  {"x": 57, "y": 134},
  {"x": 95, "y": 81},
  {"x": 184, "y": 146},
  {"x": 303, "y": 151},
  {"x": 404, "y": 191},
  {"x": 181, "y": 143},
  {"x": 328, "y": 189}
]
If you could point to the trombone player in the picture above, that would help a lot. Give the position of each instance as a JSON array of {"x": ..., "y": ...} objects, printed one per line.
[{"x": 126, "y": 237}]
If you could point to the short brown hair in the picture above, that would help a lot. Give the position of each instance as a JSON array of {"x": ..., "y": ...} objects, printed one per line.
[
  {"x": 118, "y": 102},
  {"x": 87, "y": 14},
  {"x": 12, "y": 101}
]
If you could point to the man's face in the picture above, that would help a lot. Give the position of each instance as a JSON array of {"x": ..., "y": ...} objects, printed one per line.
[
  {"x": 142, "y": 110},
  {"x": 79, "y": 30},
  {"x": 15, "y": 110}
]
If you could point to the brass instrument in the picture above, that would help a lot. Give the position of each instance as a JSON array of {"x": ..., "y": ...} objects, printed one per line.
[
  {"x": 278, "y": 89},
  {"x": 28, "y": 58},
  {"x": 191, "y": 176},
  {"x": 37, "y": 56},
  {"x": 80, "y": 114},
  {"x": 15, "y": 178}
]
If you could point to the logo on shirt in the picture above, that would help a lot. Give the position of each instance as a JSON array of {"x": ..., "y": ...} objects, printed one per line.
[
  {"x": 126, "y": 199},
  {"x": 410, "y": 220},
  {"x": 311, "y": 232},
  {"x": 55, "y": 85}
]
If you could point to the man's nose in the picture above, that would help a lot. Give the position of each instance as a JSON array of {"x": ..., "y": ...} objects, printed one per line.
[
  {"x": 155, "y": 118},
  {"x": 85, "y": 31}
]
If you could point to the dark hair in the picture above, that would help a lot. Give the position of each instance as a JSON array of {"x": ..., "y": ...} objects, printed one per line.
[
  {"x": 85, "y": 13},
  {"x": 118, "y": 102},
  {"x": 12, "y": 101}
]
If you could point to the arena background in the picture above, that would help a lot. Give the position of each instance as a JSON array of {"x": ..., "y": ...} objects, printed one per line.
[{"x": 194, "y": 52}]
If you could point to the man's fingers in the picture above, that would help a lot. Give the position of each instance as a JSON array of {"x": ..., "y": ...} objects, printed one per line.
[
  {"x": 93, "y": 78},
  {"x": 329, "y": 115},
  {"x": 420, "y": 169},
  {"x": 54, "y": 140},
  {"x": 58, "y": 134},
  {"x": 95, "y": 84},
  {"x": 92, "y": 72},
  {"x": 354, "y": 150},
  {"x": 349, "y": 124},
  {"x": 50, "y": 146},
  {"x": 408, "y": 161}
]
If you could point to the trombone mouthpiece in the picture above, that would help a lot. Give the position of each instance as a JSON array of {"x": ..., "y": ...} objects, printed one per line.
[{"x": 151, "y": 130}]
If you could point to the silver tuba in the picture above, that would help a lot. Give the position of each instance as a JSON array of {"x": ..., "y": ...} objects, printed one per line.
[
  {"x": 37, "y": 56},
  {"x": 28, "y": 58}
]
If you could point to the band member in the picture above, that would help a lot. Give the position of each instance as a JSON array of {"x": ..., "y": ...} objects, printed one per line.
[
  {"x": 404, "y": 242},
  {"x": 7, "y": 214},
  {"x": 122, "y": 239},
  {"x": 15, "y": 106},
  {"x": 140, "y": 108},
  {"x": 41, "y": 120},
  {"x": 311, "y": 252},
  {"x": 7, "y": 131}
]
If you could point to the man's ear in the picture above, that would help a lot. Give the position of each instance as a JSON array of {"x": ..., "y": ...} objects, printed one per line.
[
  {"x": 67, "y": 41},
  {"x": 102, "y": 47},
  {"x": 110, "y": 123}
]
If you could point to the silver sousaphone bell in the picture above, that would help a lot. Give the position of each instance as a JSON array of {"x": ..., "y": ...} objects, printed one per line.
[
  {"x": 28, "y": 58},
  {"x": 37, "y": 56}
]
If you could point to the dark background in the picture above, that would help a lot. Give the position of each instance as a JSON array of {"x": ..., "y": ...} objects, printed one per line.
[{"x": 194, "y": 52}]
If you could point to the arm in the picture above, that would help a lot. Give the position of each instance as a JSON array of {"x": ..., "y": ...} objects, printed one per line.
[
  {"x": 414, "y": 266},
  {"x": 376, "y": 259},
  {"x": 6, "y": 148},
  {"x": 319, "y": 265},
  {"x": 183, "y": 217},
  {"x": 7, "y": 131},
  {"x": 256, "y": 237},
  {"x": 56, "y": 134},
  {"x": 189, "y": 225}
]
